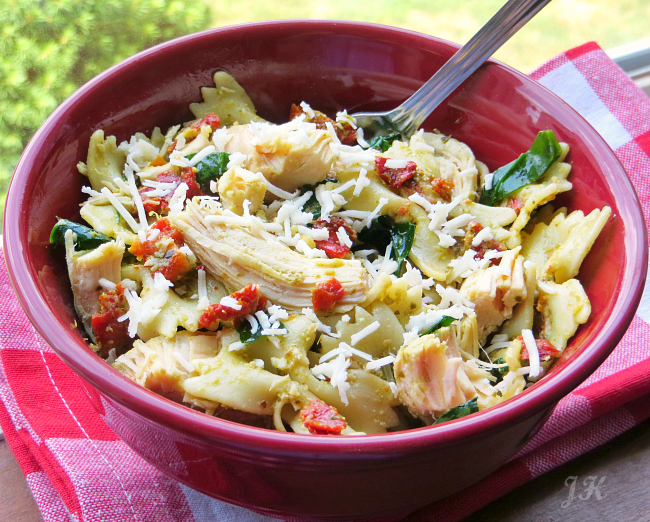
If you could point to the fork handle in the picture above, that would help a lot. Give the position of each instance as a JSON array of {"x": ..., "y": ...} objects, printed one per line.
[{"x": 498, "y": 30}]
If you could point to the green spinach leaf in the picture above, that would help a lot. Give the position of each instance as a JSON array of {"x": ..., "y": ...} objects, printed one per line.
[
  {"x": 210, "y": 168},
  {"x": 246, "y": 334},
  {"x": 471, "y": 406},
  {"x": 526, "y": 169},
  {"x": 445, "y": 321},
  {"x": 85, "y": 238},
  {"x": 313, "y": 206},
  {"x": 383, "y": 143},
  {"x": 499, "y": 372},
  {"x": 383, "y": 230}
]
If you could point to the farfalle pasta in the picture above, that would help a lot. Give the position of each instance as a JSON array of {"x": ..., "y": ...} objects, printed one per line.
[{"x": 299, "y": 277}]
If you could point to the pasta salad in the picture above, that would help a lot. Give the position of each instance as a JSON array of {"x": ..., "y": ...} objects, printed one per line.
[{"x": 299, "y": 277}]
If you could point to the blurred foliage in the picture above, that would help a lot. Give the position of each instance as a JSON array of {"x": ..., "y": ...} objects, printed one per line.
[{"x": 48, "y": 48}]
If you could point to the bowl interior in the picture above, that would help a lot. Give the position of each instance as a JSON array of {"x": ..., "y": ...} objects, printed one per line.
[{"x": 332, "y": 66}]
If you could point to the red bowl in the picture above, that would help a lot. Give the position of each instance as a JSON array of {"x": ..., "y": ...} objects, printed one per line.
[{"x": 332, "y": 66}]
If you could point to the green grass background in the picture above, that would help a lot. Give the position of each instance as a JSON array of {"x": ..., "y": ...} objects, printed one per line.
[
  {"x": 36, "y": 40},
  {"x": 559, "y": 26}
]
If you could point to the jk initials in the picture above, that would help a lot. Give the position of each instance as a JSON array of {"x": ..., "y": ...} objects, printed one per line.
[{"x": 592, "y": 488}]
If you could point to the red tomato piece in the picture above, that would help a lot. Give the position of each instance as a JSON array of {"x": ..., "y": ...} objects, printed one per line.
[
  {"x": 332, "y": 246},
  {"x": 109, "y": 332},
  {"x": 344, "y": 131},
  {"x": 322, "y": 419},
  {"x": 160, "y": 204},
  {"x": 250, "y": 298},
  {"x": 473, "y": 229},
  {"x": 544, "y": 347},
  {"x": 169, "y": 260},
  {"x": 443, "y": 187},
  {"x": 327, "y": 294},
  {"x": 395, "y": 177},
  {"x": 209, "y": 119},
  {"x": 516, "y": 204}
]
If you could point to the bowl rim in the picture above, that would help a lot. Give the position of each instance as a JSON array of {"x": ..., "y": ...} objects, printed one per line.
[{"x": 180, "y": 418}]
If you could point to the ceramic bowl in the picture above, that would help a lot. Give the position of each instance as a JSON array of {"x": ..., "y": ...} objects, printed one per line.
[{"x": 332, "y": 66}]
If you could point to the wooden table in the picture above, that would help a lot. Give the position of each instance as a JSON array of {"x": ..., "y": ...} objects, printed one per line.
[{"x": 621, "y": 469}]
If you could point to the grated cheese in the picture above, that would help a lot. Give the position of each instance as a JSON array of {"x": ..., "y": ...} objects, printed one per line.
[
  {"x": 373, "y": 365},
  {"x": 533, "y": 353},
  {"x": 365, "y": 332},
  {"x": 203, "y": 291},
  {"x": 344, "y": 239},
  {"x": 183, "y": 362},
  {"x": 106, "y": 284},
  {"x": 320, "y": 327},
  {"x": 483, "y": 235},
  {"x": 230, "y": 302},
  {"x": 545, "y": 287},
  {"x": 236, "y": 346},
  {"x": 120, "y": 208}
]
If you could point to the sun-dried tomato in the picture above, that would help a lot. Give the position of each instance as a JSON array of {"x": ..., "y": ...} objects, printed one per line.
[
  {"x": 395, "y": 177},
  {"x": 345, "y": 132},
  {"x": 516, "y": 204},
  {"x": 443, "y": 187},
  {"x": 163, "y": 254},
  {"x": 327, "y": 294},
  {"x": 160, "y": 204},
  {"x": 332, "y": 246},
  {"x": 109, "y": 332},
  {"x": 250, "y": 299},
  {"x": 544, "y": 347},
  {"x": 209, "y": 119},
  {"x": 322, "y": 419}
]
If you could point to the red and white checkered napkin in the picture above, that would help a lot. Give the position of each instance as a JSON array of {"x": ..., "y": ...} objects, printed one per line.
[{"x": 79, "y": 470}]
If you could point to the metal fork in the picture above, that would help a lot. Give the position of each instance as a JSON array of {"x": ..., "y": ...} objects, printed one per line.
[{"x": 408, "y": 117}]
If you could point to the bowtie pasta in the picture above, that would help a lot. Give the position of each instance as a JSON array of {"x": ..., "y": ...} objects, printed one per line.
[{"x": 300, "y": 278}]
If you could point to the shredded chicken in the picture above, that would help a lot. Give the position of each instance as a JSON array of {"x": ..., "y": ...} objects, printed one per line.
[
  {"x": 430, "y": 375},
  {"x": 495, "y": 291},
  {"x": 86, "y": 269}
]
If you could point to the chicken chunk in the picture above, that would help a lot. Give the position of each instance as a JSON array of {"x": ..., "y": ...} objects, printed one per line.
[
  {"x": 285, "y": 277},
  {"x": 430, "y": 375},
  {"x": 495, "y": 291},
  {"x": 162, "y": 365},
  {"x": 86, "y": 269}
]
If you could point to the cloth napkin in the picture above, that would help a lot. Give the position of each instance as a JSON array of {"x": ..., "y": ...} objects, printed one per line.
[{"x": 79, "y": 470}]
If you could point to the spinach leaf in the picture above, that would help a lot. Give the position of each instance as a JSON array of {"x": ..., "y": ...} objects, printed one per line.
[
  {"x": 499, "y": 372},
  {"x": 313, "y": 206},
  {"x": 471, "y": 406},
  {"x": 246, "y": 334},
  {"x": 383, "y": 143},
  {"x": 382, "y": 230},
  {"x": 526, "y": 169},
  {"x": 445, "y": 321},
  {"x": 85, "y": 238},
  {"x": 210, "y": 168}
]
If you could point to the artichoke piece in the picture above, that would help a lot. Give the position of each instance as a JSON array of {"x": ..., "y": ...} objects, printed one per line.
[
  {"x": 285, "y": 277},
  {"x": 162, "y": 365},
  {"x": 86, "y": 269},
  {"x": 288, "y": 156}
]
